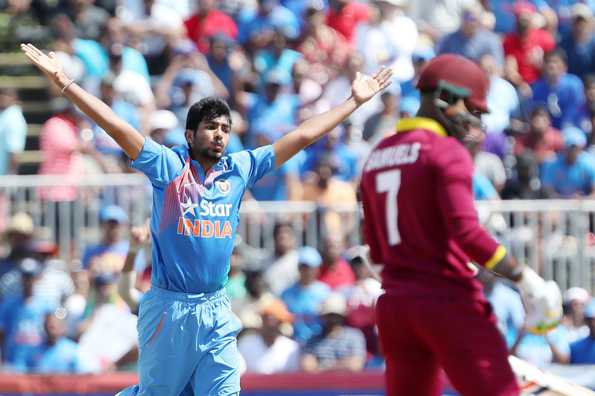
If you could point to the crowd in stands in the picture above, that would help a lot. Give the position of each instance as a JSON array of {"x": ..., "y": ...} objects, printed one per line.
[{"x": 277, "y": 62}]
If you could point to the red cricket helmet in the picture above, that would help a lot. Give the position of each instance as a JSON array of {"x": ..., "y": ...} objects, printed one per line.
[{"x": 459, "y": 75}]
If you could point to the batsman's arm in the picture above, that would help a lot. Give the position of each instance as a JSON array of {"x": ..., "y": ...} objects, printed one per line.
[
  {"x": 309, "y": 131},
  {"x": 128, "y": 138},
  {"x": 454, "y": 169}
]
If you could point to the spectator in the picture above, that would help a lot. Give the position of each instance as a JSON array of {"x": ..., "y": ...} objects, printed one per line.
[
  {"x": 332, "y": 93},
  {"x": 22, "y": 316},
  {"x": 103, "y": 142},
  {"x": 382, "y": 123},
  {"x": 258, "y": 296},
  {"x": 543, "y": 140},
  {"x": 56, "y": 355},
  {"x": 267, "y": 350},
  {"x": 54, "y": 283},
  {"x": 437, "y": 19},
  {"x": 62, "y": 147},
  {"x": 127, "y": 282},
  {"x": 95, "y": 54},
  {"x": 107, "y": 330},
  {"x": 579, "y": 43},
  {"x": 575, "y": 300},
  {"x": 524, "y": 182},
  {"x": 323, "y": 47},
  {"x": 272, "y": 109},
  {"x": 76, "y": 302},
  {"x": 333, "y": 145},
  {"x": 583, "y": 351},
  {"x": 585, "y": 115},
  {"x": 362, "y": 297},
  {"x": 506, "y": 303},
  {"x": 283, "y": 183},
  {"x": 129, "y": 85},
  {"x": 505, "y": 11},
  {"x": 13, "y": 131},
  {"x": 487, "y": 165},
  {"x": 334, "y": 271},
  {"x": 572, "y": 173},
  {"x": 268, "y": 16},
  {"x": 338, "y": 347},
  {"x": 276, "y": 57},
  {"x": 561, "y": 93},
  {"x": 541, "y": 350},
  {"x": 109, "y": 254},
  {"x": 387, "y": 39},
  {"x": 329, "y": 191},
  {"x": 236, "y": 285},
  {"x": 187, "y": 79},
  {"x": 221, "y": 52},
  {"x": 162, "y": 124},
  {"x": 18, "y": 234},
  {"x": 472, "y": 40},
  {"x": 305, "y": 297},
  {"x": 345, "y": 15},
  {"x": 156, "y": 27},
  {"x": 503, "y": 100},
  {"x": 524, "y": 49},
  {"x": 206, "y": 22},
  {"x": 87, "y": 17},
  {"x": 282, "y": 269}
]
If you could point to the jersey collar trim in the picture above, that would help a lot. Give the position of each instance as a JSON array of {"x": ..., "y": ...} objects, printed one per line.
[{"x": 408, "y": 124}]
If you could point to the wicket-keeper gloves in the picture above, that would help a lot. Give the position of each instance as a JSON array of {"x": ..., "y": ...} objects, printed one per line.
[{"x": 543, "y": 302}]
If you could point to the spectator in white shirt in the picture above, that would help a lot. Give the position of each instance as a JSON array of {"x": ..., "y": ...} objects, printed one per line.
[{"x": 267, "y": 350}]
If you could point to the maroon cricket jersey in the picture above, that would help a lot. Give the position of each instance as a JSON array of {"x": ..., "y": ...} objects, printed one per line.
[{"x": 419, "y": 216}]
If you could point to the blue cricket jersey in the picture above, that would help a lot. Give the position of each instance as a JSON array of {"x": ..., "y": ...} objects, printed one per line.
[{"x": 195, "y": 215}]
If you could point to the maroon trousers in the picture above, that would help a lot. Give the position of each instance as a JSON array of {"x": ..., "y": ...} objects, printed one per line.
[{"x": 422, "y": 335}]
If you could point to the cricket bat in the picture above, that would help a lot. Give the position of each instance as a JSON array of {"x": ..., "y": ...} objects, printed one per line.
[{"x": 535, "y": 382}]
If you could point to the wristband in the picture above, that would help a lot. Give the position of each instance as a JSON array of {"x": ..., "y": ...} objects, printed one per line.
[{"x": 68, "y": 84}]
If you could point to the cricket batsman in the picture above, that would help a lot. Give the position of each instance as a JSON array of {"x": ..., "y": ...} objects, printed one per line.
[
  {"x": 187, "y": 332},
  {"x": 421, "y": 225}
]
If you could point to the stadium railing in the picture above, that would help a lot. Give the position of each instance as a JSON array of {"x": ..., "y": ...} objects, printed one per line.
[{"x": 553, "y": 236}]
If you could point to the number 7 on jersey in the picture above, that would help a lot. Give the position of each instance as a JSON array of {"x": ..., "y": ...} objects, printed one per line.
[{"x": 389, "y": 182}]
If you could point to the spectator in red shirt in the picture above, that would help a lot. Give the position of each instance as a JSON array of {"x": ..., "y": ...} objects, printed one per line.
[
  {"x": 525, "y": 48},
  {"x": 322, "y": 46},
  {"x": 345, "y": 15},
  {"x": 206, "y": 22},
  {"x": 542, "y": 139},
  {"x": 335, "y": 271}
]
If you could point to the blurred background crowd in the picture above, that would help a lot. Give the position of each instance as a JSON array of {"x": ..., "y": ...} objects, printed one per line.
[{"x": 277, "y": 62}]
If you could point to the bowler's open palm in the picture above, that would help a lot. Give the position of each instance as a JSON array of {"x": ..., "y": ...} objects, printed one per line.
[
  {"x": 365, "y": 87},
  {"x": 48, "y": 64}
]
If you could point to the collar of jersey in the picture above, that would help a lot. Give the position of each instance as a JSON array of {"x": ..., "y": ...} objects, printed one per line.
[
  {"x": 409, "y": 124},
  {"x": 185, "y": 152}
]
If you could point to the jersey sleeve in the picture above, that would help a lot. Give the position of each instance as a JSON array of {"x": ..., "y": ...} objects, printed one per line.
[
  {"x": 454, "y": 169},
  {"x": 371, "y": 239},
  {"x": 159, "y": 163},
  {"x": 254, "y": 164}
]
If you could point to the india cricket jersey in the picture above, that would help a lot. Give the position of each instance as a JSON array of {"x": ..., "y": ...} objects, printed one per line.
[{"x": 195, "y": 214}]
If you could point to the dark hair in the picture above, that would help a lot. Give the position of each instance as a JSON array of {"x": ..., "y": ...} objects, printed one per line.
[
  {"x": 208, "y": 109},
  {"x": 589, "y": 79},
  {"x": 539, "y": 110},
  {"x": 558, "y": 52}
]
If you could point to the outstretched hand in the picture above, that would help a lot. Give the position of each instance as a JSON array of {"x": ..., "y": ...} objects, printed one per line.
[
  {"x": 365, "y": 87},
  {"x": 48, "y": 64}
]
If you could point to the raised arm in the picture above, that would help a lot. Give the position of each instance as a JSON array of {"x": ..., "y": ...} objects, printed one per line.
[
  {"x": 363, "y": 89},
  {"x": 128, "y": 138}
]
